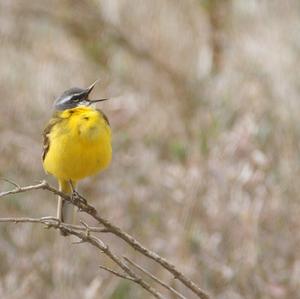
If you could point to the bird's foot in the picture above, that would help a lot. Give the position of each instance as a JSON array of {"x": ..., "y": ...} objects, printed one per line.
[{"x": 77, "y": 197}]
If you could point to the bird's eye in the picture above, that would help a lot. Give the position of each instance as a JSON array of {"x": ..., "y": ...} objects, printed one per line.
[{"x": 75, "y": 100}]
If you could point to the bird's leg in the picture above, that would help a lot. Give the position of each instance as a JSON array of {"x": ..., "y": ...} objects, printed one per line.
[{"x": 76, "y": 195}]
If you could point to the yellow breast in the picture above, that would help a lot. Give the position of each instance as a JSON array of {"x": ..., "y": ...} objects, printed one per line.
[{"x": 79, "y": 144}]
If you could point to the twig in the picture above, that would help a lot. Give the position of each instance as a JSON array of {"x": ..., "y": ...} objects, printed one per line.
[
  {"x": 117, "y": 273},
  {"x": 154, "y": 278},
  {"x": 11, "y": 182},
  {"x": 53, "y": 221},
  {"x": 118, "y": 232},
  {"x": 19, "y": 189}
]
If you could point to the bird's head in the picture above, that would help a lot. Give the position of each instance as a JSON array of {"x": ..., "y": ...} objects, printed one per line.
[{"x": 74, "y": 97}]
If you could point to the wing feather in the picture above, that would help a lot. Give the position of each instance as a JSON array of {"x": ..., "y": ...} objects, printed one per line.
[
  {"x": 46, "y": 141},
  {"x": 104, "y": 116}
]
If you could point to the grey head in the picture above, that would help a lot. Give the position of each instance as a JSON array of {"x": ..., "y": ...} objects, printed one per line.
[{"x": 74, "y": 97}]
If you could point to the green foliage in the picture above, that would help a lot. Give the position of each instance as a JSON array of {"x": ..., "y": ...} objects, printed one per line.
[
  {"x": 178, "y": 150},
  {"x": 207, "y": 136}
]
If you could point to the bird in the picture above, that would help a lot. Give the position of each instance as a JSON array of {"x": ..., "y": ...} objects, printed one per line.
[{"x": 76, "y": 143}]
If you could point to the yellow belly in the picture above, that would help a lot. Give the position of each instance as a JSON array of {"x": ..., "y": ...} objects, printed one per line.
[{"x": 80, "y": 146}]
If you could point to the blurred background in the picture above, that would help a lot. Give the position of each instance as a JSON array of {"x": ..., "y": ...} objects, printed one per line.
[{"x": 205, "y": 120}]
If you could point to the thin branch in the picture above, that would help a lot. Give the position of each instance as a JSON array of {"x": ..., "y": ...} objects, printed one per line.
[
  {"x": 118, "y": 232},
  {"x": 52, "y": 221},
  {"x": 117, "y": 273},
  {"x": 154, "y": 278},
  {"x": 19, "y": 189},
  {"x": 11, "y": 182}
]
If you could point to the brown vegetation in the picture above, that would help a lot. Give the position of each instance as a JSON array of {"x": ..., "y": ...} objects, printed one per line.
[{"x": 206, "y": 142}]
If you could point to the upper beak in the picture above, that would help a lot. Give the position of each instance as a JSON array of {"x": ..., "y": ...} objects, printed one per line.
[{"x": 91, "y": 87}]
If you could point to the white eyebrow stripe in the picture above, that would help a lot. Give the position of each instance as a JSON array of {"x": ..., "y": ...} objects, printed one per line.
[
  {"x": 69, "y": 97},
  {"x": 76, "y": 94}
]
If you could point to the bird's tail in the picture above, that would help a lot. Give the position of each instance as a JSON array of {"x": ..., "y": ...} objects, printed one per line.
[{"x": 65, "y": 209}]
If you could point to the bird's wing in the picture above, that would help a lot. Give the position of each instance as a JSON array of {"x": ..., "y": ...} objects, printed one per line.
[
  {"x": 46, "y": 141},
  {"x": 104, "y": 116}
]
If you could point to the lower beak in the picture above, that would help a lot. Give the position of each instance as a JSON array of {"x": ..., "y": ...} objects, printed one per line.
[{"x": 95, "y": 101}]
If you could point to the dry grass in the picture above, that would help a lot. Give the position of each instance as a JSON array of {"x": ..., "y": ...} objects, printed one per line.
[{"x": 206, "y": 141}]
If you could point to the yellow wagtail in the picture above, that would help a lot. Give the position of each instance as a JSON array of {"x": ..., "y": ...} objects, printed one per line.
[{"x": 77, "y": 143}]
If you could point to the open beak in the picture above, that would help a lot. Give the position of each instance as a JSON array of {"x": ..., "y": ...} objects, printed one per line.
[{"x": 88, "y": 91}]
